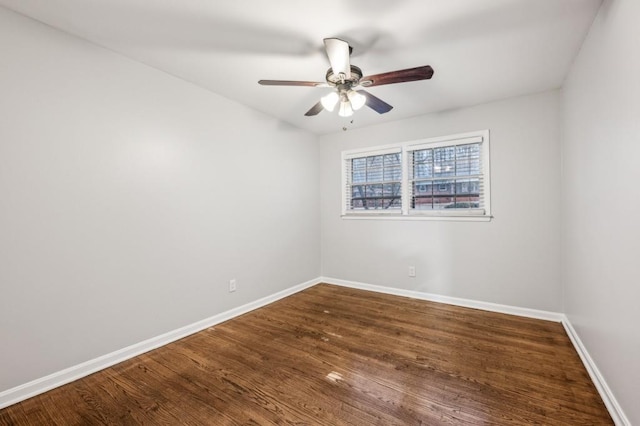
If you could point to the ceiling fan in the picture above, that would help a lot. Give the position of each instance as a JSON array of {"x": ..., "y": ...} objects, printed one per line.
[{"x": 345, "y": 78}]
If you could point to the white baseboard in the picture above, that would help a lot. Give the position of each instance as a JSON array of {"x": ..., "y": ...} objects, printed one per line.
[
  {"x": 467, "y": 303},
  {"x": 44, "y": 384},
  {"x": 615, "y": 410},
  {"x": 607, "y": 396}
]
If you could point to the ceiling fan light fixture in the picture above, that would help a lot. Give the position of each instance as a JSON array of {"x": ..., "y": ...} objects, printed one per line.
[
  {"x": 329, "y": 101},
  {"x": 345, "y": 108},
  {"x": 357, "y": 100}
]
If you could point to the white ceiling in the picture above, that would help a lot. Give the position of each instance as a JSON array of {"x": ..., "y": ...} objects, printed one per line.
[{"x": 480, "y": 50}]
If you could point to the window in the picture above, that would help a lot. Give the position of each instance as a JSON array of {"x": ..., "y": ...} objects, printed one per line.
[
  {"x": 445, "y": 177},
  {"x": 376, "y": 181}
]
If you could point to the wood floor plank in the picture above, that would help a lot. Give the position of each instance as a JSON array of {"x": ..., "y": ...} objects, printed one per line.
[{"x": 338, "y": 356}]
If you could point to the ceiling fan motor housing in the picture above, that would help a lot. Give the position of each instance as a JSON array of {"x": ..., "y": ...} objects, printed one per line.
[{"x": 341, "y": 82}]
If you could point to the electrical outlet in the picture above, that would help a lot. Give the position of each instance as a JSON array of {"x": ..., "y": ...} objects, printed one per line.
[
  {"x": 412, "y": 271},
  {"x": 233, "y": 285}
]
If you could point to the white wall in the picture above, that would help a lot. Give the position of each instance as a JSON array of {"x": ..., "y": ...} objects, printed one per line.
[
  {"x": 601, "y": 198},
  {"x": 129, "y": 198},
  {"x": 514, "y": 259}
]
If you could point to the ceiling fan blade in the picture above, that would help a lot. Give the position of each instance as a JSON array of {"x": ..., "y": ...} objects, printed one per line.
[
  {"x": 375, "y": 103},
  {"x": 338, "y": 54},
  {"x": 400, "y": 76},
  {"x": 293, "y": 83},
  {"x": 315, "y": 110}
]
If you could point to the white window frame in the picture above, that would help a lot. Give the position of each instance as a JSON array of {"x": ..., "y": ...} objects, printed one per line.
[{"x": 406, "y": 213}]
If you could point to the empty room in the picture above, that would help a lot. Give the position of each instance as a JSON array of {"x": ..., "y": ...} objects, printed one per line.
[{"x": 340, "y": 213}]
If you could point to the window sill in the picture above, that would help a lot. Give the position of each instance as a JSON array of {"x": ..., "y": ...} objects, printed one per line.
[{"x": 451, "y": 218}]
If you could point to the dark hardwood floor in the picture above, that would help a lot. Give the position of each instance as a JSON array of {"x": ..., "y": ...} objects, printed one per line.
[{"x": 338, "y": 356}]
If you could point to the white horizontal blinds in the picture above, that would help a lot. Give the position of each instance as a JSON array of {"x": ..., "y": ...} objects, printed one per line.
[
  {"x": 374, "y": 182},
  {"x": 447, "y": 177}
]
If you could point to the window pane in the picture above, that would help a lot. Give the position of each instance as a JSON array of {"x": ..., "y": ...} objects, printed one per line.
[
  {"x": 468, "y": 160},
  {"x": 359, "y": 163},
  {"x": 374, "y": 168},
  {"x": 467, "y": 194},
  {"x": 394, "y": 203},
  {"x": 422, "y": 188},
  {"x": 374, "y": 191},
  {"x": 443, "y": 193},
  {"x": 423, "y": 203},
  {"x": 372, "y": 203},
  {"x": 422, "y": 195},
  {"x": 391, "y": 189},
  {"x": 444, "y": 161},
  {"x": 357, "y": 191},
  {"x": 358, "y": 170},
  {"x": 392, "y": 173},
  {"x": 423, "y": 163},
  {"x": 392, "y": 160}
]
